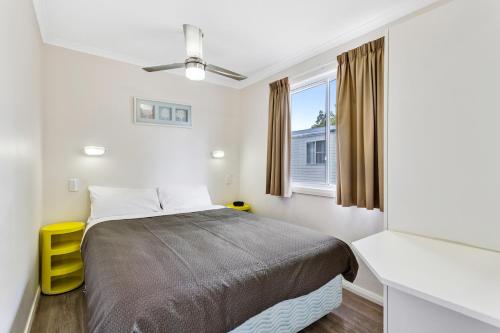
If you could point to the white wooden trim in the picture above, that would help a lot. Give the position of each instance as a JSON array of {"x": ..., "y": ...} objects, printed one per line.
[
  {"x": 362, "y": 292},
  {"x": 386, "y": 129},
  {"x": 313, "y": 78},
  {"x": 31, "y": 316},
  {"x": 326, "y": 191},
  {"x": 386, "y": 309}
]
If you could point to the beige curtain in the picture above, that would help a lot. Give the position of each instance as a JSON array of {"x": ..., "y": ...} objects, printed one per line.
[
  {"x": 278, "y": 140},
  {"x": 360, "y": 126}
]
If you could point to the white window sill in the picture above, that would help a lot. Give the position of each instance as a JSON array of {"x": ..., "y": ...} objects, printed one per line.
[{"x": 317, "y": 190}]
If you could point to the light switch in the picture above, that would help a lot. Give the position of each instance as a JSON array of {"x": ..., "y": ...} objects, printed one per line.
[{"x": 73, "y": 184}]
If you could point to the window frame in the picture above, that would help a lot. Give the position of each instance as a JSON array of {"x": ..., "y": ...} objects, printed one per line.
[
  {"x": 328, "y": 189},
  {"x": 315, "y": 153}
]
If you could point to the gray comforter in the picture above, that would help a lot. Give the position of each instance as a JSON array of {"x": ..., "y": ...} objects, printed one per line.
[{"x": 207, "y": 271}]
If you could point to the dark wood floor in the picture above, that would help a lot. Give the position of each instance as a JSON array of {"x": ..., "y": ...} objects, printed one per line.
[
  {"x": 355, "y": 315},
  {"x": 66, "y": 313}
]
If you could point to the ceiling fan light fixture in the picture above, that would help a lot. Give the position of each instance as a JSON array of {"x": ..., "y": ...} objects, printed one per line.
[
  {"x": 195, "y": 71},
  {"x": 194, "y": 65}
]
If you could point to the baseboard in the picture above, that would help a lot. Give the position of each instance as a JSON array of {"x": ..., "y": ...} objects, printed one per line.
[
  {"x": 29, "y": 322},
  {"x": 362, "y": 292}
]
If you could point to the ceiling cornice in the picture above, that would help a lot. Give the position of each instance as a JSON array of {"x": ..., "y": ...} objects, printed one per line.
[
  {"x": 342, "y": 38},
  {"x": 41, "y": 18},
  {"x": 126, "y": 59}
]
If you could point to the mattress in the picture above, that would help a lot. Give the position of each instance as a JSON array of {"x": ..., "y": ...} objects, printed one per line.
[{"x": 295, "y": 314}]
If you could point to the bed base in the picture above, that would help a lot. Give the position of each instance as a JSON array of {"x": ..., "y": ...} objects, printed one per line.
[{"x": 292, "y": 315}]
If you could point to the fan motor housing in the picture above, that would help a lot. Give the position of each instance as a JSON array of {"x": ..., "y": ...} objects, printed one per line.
[{"x": 195, "y": 62}]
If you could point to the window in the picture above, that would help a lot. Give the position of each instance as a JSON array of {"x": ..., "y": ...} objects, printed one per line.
[
  {"x": 316, "y": 152},
  {"x": 313, "y": 149}
]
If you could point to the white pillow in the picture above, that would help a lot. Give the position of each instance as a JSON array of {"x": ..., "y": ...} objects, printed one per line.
[
  {"x": 115, "y": 201},
  {"x": 184, "y": 197}
]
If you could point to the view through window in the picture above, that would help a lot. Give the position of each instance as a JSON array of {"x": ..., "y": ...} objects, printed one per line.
[{"x": 313, "y": 153}]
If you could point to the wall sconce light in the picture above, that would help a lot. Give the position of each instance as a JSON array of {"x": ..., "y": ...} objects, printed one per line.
[
  {"x": 94, "y": 150},
  {"x": 218, "y": 154}
]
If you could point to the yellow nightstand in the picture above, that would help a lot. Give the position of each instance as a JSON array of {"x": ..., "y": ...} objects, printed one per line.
[
  {"x": 245, "y": 208},
  {"x": 62, "y": 266}
]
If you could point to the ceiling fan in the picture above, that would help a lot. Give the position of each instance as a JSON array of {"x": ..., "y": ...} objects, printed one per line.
[{"x": 195, "y": 65}]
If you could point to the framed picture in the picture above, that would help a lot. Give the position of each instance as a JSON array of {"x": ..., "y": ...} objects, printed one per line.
[{"x": 161, "y": 113}]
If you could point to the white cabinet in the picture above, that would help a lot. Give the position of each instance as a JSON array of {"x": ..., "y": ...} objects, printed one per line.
[
  {"x": 409, "y": 314},
  {"x": 434, "y": 284}
]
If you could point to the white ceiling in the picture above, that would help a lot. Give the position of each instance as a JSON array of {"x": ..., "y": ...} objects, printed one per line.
[{"x": 256, "y": 38}]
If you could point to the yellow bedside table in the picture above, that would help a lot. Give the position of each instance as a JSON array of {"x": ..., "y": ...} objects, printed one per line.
[
  {"x": 245, "y": 208},
  {"x": 62, "y": 266}
]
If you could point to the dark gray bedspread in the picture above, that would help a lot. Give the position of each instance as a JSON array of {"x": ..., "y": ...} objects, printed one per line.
[{"x": 207, "y": 271}]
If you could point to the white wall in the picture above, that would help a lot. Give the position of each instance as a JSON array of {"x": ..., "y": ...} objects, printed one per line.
[
  {"x": 20, "y": 161},
  {"x": 444, "y": 113},
  {"x": 323, "y": 214},
  {"x": 88, "y": 101},
  {"x": 443, "y": 148}
]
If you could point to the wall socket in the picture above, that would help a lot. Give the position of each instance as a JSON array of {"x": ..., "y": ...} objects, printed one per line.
[
  {"x": 73, "y": 184},
  {"x": 228, "y": 179}
]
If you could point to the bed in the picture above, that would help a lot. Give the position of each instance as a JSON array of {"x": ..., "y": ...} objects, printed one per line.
[{"x": 210, "y": 269}]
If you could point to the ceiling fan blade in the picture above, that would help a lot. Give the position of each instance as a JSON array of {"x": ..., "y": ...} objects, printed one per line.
[
  {"x": 225, "y": 72},
  {"x": 194, "y": 41},
  {"x": 164, "y": 67}
]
